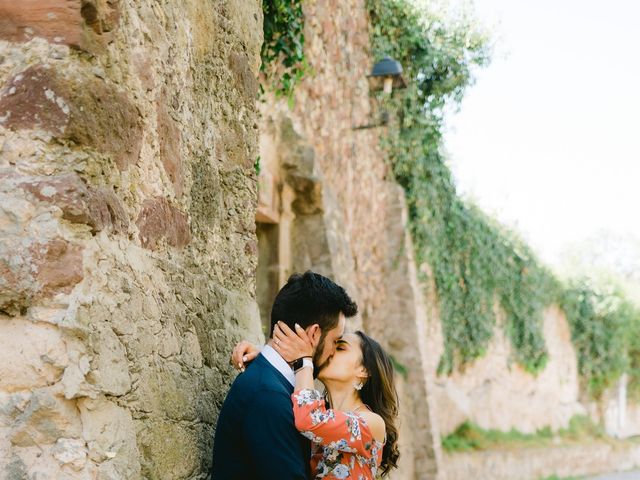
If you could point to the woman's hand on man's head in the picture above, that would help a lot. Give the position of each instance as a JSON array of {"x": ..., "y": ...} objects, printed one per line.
[{"x": 292, "y": 345}]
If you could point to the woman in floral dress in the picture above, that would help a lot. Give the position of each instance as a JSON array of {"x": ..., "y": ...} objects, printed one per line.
[{"x": 356, "y": 438}]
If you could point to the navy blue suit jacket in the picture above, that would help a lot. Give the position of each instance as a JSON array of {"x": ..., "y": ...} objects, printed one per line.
[{"x": 256, "y": 438}]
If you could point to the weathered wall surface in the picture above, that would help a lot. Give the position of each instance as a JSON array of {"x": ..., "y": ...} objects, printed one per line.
[
  {"x": 328, "y": 202},
  {"x": 128, "y": 253},
  {"x": 128, "y": 133},
  {"x": 495, "y": 392},
  {"x": 616, "y": 410}
]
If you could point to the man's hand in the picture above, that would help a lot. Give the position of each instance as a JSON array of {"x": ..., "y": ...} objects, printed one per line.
[
  {"x": 292, "y": 345},
  {"x": 243, "y": 354}
]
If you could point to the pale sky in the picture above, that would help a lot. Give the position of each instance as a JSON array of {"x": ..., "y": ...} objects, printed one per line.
[{"x": 548, "y": 139}]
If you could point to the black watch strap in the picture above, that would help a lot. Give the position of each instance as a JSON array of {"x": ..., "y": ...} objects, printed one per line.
[{"x": 297, "y": 364}]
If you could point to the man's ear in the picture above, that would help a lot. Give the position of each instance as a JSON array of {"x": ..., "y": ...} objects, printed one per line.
[{"x": 314, "y": 333}]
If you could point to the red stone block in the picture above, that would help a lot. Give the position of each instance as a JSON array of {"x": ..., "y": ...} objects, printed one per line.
[
  {"x": 98, "y": 208},
  {"x": 170, "y": 138},
  {"x": 159, "y": 219},
  {"x": 31, "y": 100},
  {"x": 80, "y": 24},
  {"x": 58, "y": 265},
  {"x": 251, "y": 248},
  {"x": 88, "y": 111}
]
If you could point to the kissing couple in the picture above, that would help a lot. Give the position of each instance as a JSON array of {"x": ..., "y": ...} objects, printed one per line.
[{"x": 274, "y": 423}]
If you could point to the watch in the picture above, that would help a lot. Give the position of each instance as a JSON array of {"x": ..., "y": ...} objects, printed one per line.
[{"x": 301, "y": 363}]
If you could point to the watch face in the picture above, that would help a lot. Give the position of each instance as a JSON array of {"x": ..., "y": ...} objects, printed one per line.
[{"x": 297, "y": 364}]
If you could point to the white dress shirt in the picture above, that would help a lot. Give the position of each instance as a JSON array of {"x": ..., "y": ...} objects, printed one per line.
[{"x": 279, "y": 364}]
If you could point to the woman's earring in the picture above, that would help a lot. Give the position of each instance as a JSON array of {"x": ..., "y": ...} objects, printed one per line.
[{"x": 358, "y": 386}]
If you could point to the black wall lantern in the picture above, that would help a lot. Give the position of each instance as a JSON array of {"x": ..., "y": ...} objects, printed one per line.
[{"x": 385, "y": 76}]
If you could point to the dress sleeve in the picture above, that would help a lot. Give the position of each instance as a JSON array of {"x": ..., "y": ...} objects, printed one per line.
[{"x": 344, "y": 431}]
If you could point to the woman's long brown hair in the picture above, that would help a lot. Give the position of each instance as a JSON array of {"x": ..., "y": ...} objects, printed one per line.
[{"x": 379, "y": 393}]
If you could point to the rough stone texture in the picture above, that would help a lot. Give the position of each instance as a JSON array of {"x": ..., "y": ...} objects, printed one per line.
[
  {"x": 80, "y": 24},
  {"x": 37, "y": 265},
  {"x": 352, "y": 167},
  {"x": 170, "y": 138},
  {"x": 128, "y": 133},
  {"x": 87, "y": 111},
  {"x": 403, "y": 324},
  {"x": 338, "y": 212},
  {"x": 97, "y": 207},
  {"x": 29, "y": 101},
  {"x": 160, "y": 220},
  {"x": 46, "y": 418}
]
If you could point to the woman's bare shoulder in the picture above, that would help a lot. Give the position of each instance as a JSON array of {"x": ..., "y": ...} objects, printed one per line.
[{"x": 376, "y": 424}]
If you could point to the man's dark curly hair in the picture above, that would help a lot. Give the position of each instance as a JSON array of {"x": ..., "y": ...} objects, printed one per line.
[{"x": 311, "y": 298}]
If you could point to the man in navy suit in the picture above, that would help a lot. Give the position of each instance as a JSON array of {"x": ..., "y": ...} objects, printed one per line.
[{"x": 256, "y": 438}]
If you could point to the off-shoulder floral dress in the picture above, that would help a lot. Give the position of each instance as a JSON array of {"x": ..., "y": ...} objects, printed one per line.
[{"x": 342, "y": 443}]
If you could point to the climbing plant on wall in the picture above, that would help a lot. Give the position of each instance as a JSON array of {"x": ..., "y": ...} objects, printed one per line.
[
  {"x": 475, "y": 262},
  {"x": 606, "y": 334},
  {"x": 632, "y": 336},
  {"x": 283, "y": 60}
]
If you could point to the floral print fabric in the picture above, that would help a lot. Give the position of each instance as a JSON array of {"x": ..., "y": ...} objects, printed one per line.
[{"x": 342, "y": 444}]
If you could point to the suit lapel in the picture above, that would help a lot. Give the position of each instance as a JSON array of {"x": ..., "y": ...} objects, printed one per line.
[{"x": 264, "y": 363}]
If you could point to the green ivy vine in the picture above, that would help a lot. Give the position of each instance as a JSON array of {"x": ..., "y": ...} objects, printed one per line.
[
  {"x": 606, "y": 334},
  {"x": 475, "y": 262},
  {"x": 283, "y": 60}
]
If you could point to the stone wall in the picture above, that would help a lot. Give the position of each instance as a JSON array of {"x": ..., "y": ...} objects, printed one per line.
[
  {"x": 616, "y": 410},
  {"x": 130, "y": 257},
  {"x": 496, "y": 393},
  {"x": 128, "y": 134},
  {"x": 328, "y": 202}
]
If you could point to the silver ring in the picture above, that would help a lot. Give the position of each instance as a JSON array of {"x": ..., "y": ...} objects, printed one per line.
[{"x": 277, "y": 342}]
